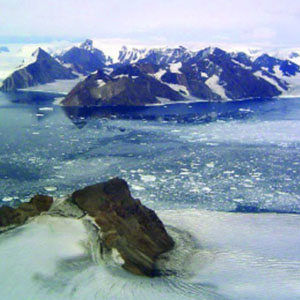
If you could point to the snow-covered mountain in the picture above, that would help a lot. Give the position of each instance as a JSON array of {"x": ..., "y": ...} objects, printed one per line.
[
  {"x": 224, "y": 81},
  {"x": 85, "y": 58},
  {"x": 157, "y": 56},
  {"x": 39, "y": 68},
  {"x": 208, "y": 74}
]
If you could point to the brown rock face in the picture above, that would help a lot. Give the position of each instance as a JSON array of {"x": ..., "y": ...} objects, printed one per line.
[
  {"x": 18, "y": 216},
  {"x": 127, "y": 225}
]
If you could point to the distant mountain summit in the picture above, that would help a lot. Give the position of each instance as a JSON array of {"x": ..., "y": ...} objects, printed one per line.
[
  {"x": 85, "y": 58},
  {"x": 158, "y": 75},
  {"x": 276, "y": 66},
  {"x": 87, "y": 45},
  {"x": 177, "y": 74},
  {"x": 41, "y": 68},
  {"x": 155, "y": 56},
  {"x": 216, "y": 74}
]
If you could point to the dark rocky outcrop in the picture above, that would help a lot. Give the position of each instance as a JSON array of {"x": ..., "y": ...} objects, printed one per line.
[
  {"x": 43, "y": 69},
  {"x": 122, "y": 225},
  {"x": 17, "y": 216},
  {"x": 132, "y": 229},
  {"x": 129, "y": 85}
]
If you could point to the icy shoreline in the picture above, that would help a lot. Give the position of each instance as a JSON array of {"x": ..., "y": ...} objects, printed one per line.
[
  {"x": 164, "y": 102},
  {"x": 242, "y": 256}
]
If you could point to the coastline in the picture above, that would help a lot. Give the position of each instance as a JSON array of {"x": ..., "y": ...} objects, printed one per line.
[{"x": 163, "y": 102}]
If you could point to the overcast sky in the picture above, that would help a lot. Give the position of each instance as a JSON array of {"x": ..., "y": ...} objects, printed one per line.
[{"x": 252, "y": 22}]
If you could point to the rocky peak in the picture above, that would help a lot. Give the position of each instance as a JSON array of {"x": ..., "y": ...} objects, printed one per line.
[
  {"x": 39, "y": 68},
  {"x": 87, "y": 45},
  {"x": 154, "y": 56},
  {"x": 85, "y": 59},
  {"x": 39, "y": 53},
  {"x": 266, "y": 61},
  {"x": 132, "y": 55},
  {"x": 127, "y": 226}
]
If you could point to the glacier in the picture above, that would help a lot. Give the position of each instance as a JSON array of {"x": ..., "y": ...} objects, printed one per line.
[{"x": 240, "y": 256}]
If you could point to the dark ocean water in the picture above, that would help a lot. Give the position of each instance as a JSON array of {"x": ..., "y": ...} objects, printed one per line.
[
  {"x": 219, "y": 156},
  {"x": 192, "y": 163}
]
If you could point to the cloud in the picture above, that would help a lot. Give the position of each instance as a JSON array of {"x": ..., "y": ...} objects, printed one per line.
[
  {"x": 170, "y": 20},
  {"x": 263, "y": 33}
]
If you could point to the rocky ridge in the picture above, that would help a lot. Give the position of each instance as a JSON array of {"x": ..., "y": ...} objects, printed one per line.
[
  {"x": 85, "y": 58},
  {"x": 42, "y": 68},
  {"x": 130, "y": 85},
  {"x": 159, "y": 75},
  {"x": 126, "y": 230},
  {"x": 212, "y": 74}
]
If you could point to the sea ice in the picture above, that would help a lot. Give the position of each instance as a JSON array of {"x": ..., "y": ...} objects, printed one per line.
[{"x": 50, "y": 188}]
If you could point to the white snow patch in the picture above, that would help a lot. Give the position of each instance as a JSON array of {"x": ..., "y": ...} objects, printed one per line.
[
  {"x": 45, "y": 108},
  {"x": 174, "y": 68},
  {"x": 50, "y": 188},
  {"x": 61, "y": 86},
  {"x": 206, "y": 189},
  {"x": 66, "y": 65},
  {"x": 165, "y": 101},
  {"x": 210, "y": 165},
  {"x": 278, "y": 72},
  {"x": 116, "y": 256},
  {"x": 121, "y": 76},
  {"x": 108, "y": 70},
  {"x": 137, "y": 187},
  {"x": 148, "y": 178},
  {"x": 240, "y": 64},
  {"x": 158, "y": 75},
  {"x": 100, "y": 83},
  {"x": 178, "y": 88},
  {"x": 213, "y": 84},
  {"x": 7, "y": 199}
]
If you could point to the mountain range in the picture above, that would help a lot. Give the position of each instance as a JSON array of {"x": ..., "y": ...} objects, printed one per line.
[{"x": 158, "y": 75}]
